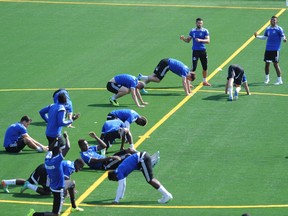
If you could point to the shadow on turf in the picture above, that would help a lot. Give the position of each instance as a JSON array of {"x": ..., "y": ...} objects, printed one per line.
[
  {"x": 30, "y": 196},
  {"x": 109, "y": 202},
  {"x": 219, "y": 97},
  {"x": 38, "y": 123},
  {"x": 24, "y": 152},
  {"x": 106, "y": 105}
]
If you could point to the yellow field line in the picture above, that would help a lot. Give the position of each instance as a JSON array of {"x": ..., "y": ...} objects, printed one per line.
[{"x": 137, "y": 5}]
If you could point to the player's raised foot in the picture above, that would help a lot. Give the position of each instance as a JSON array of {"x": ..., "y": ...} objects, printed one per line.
[
  {"x": 113, "y": 102},
  {"x": 206, "y": 84},
  {"x": 139, "y": 76},
  {"x": 77, "y": 209},
  {"x": 143, "y": 91},
  {"x": 5, "y": 187},
  {"x": 31, "y": 212},
  {"x": 267, "y": 80},
  {"x": 279, "y": 82},
  {"x": 24, "y": 187},
  {"x": 165, "y": 198},
  {"x": 155, "y": 158}
]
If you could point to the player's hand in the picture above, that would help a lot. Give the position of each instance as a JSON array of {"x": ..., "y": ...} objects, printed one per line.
[
  {"x": 92, "y": 134},
  {"x": 255, "y": 34},
  {"x": 75, "y": 116}
]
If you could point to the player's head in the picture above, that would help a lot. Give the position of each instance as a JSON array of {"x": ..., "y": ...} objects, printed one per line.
[
  {"x": 112, "y": 176},
  {"x": 83, "y": 144},
  {"x": 62, "y": 98},
  {"x": 199, "y": 23},
  {"x": 26, "y": 120},
  {"x": 141, "y": 120},
  {"x": 274, "y": 20},
  {"x": 191, "y": 76},
  {"x": 79, "y": 164},
  {"x": 140, "y": 85}
]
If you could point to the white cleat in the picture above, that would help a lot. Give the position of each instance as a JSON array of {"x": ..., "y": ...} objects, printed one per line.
[{"x": 165, "y": 198}]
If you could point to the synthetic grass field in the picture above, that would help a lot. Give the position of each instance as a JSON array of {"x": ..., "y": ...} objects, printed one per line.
[{"x": 217, "y": 157}]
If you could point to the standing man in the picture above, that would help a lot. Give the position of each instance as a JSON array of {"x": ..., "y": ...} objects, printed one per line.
[
  {"x": 274, "y": 35},
  {"x": 138, "y": 161},
  {"x": 123, "y": 84},
  {"x": 17, "y": 137},
  {"x": 128, "y": 116},
  {"x": 236, "y": 76},
  {"x": 56, "y": 119},
  {"x": 200, "y": 37},
  {"x": 175, "y": 66}
]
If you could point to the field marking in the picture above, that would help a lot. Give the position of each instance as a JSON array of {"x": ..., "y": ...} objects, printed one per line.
[{"x": 137, "y": 5}]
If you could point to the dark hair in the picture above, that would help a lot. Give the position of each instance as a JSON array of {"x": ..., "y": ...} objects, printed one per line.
[
  {"x": 199, "y": 19},
  {"x": 79, "y": 161},
  {"x": 141, "y": 120},
  {"x": 274, "y": 17},
  {"x": 193, "y": 76},
  {"x": 26, "y": 118},
  {"x": 112, "y": 176},
  {"x": 81, "y": 141},
  {"x": 62, "y": 98}
]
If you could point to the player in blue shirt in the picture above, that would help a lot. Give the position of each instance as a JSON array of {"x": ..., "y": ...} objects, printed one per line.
[
  {"x": 200, "y": 37},
  {"x": 123, "y": 84},
  {"x": 17, "y": 137},
  {"x": 128, "y": 116},
  {"x": 274, "y": 35},
  {"x": 116, "y": 129},
  {"x": 175, "y": 66},
  {"x": 139, "y": 161},
  {"x": 56, "y": 119},
  {"x": 97, "y": 161},
  {"x": 236, "y": 76}
]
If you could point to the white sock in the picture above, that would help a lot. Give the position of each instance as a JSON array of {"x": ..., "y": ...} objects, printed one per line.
[
  {"x": 163, "y": 190},
  {"x": 204, "y": 79},
  {"x": 279, "y": 79},
  {"x": 39, "y": 149},
  {"x": 230, "y": 91},
  {"x": 238, "y": 89},
  {"x": 144, "y": 78},
  {"x": 10, "y": 182},
  {"x": 267, "y": 76},
  {"x": 113, "y": 97},
  {"x": 32, "y": 187},
  {"x": 132, "y": 146}
]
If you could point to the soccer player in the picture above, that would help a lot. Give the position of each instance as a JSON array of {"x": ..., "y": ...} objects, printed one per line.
[
  {"x": 200, "y": 36},
  {"x": 139, "y": 161},
  {"x": 128, "y": 116},
  {"x": 116, "y": 129},
  {"x": 97, "y": 161},
  {"x": 175, "y": 66},
  {"x": 17, "y": 137},
  {"x": 123, "y": 84},
  {"x": 236, "y": 76},
  {"x": 274, "y": 34},
  {"x": 56, "y": 119}
]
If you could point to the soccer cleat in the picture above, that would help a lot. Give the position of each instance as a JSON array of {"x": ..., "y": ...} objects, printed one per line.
[
  {"x": 139, "y": 76},
  {"x": 5, "y": 187},
  {"x": 278, "y": 82},
  {"x": 143, "y": 91},
  {"x": 77, "y": 209},
  {"x": 165, "y": 198},
  {"x": 24, "y": 187},
  {"x": 230, "y": 99},
  {"x": 267, "y": 80},
  {"x": 31, "y": 212},
  {"x": 206, "y": 84},
  {"x": 155, "y": 158},
  {"x": 113, "y": 102}
]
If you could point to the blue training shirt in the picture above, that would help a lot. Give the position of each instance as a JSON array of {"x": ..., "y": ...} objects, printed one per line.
[
  {"x": 126, "y": 115},
  {"x": 13, "y": 133},
  {"x": 68, "y": 168},
  {"x": 68, "y": 106},
  {"x": 127, "y": 166},
  {"x": 126, "y": 80},
  {"x": 178, "y": 67},
  {"x": 274, "y": 37},
  {"x": 201, "y": 34},
  {"x": 112, "y": 125},
  {"x": 89, "y": 154},
  {"x": 54, "y": 170}
]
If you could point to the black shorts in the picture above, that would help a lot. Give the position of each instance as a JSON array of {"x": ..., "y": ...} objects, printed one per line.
[
  {"x": 162, "y": 68},
  {"x": 16, "y": 147},
  {"x": 110, "y": 116},
  {"x": 51, "y": 140},
  {"x": 110, "y": 137},
  {"x": 113, "y": 87},
  {"x": 271, "y": 56},
  {"x": 202, "y": 55},
  {"x": 113, "y": 164},
  {"x": 39, "y": 177},
  {"x": 237, "y": 73},
  {"x": 145, "y": 166}
]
